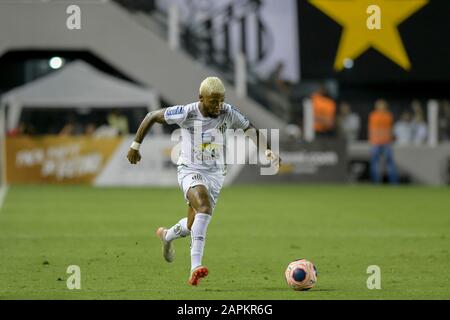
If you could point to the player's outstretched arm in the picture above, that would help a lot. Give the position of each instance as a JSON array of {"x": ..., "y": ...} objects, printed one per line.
[{"x": 150, "y": 119}]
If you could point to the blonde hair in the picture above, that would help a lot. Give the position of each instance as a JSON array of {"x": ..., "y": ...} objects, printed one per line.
[{"x": 211, "y": 85}]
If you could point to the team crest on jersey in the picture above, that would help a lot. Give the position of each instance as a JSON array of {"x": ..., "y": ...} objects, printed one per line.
[{"x": 223, "y": 128}]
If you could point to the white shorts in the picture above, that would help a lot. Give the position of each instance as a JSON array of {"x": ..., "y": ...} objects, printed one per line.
[{"x": 212, "y": 180}]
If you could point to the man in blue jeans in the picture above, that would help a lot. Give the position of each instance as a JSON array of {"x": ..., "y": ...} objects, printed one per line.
[
  {"x": 380, "y": 137},
  {"x": 376, "y": 153}
]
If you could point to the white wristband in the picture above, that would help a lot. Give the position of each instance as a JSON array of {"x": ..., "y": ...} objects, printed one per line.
[{"x": 135, "y": 145}]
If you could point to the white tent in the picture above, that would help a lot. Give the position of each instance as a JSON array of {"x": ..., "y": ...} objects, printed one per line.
[{"x": 77, "y": 85}]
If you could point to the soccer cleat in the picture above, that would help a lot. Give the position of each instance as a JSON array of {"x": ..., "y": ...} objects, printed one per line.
[
  {"x": 197, "y": 274},
  {"x": 167, "y": 247}
]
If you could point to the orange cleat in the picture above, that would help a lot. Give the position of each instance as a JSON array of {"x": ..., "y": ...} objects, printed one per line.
[{"x": 197, "y": 274}]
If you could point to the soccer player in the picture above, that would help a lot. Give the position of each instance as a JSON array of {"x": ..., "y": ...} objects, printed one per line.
[{"x": 201, "y": 168}]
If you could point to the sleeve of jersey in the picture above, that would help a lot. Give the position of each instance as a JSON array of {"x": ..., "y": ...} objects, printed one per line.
[
  {"x": 238, "y": 120},
  {"x": 175, "y": 115}
]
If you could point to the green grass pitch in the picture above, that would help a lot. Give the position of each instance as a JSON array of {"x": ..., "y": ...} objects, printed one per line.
[{"x": 255, "y": 232}]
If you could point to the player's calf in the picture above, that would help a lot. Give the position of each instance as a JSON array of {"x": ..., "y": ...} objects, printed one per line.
[{"x": 179, "y": 230}]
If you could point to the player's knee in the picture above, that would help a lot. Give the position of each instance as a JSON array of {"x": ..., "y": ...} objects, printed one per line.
[
  {"x": 199, "y": 199},
  {"x": 204, "y": 208}
]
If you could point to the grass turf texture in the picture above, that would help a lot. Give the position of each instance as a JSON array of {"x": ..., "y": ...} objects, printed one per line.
[{"x": 255, "y": 232}]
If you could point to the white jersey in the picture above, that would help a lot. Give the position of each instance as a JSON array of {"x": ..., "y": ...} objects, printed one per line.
[{"x": 204, "y": 139}]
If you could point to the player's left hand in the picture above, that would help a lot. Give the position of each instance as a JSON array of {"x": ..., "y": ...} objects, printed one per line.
[{"x": 273, "y": 157}]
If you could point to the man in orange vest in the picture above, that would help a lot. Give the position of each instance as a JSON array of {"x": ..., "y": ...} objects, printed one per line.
[
  {"x": 380, "y": 137},
  {"x": 324, "y": 109}
]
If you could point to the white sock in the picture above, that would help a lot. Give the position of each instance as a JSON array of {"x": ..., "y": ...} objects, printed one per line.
[
  {"x": 198, "y": 238},
  {"x": 179, "y": 230}
]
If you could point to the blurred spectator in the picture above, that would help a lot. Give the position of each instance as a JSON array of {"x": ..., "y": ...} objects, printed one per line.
[
  {"x": 324, "y": 109},
  {"x": 68, "y": 129},
  {"x": 416, "y": 107},
  {"x": 106, "y": 131},
  {"x": 419, "y": 126},
  {"x": 444, "y": 121},
  {"x": 118, "y": 121},
  {"x": 292, "y": 132},
  {"x": 276, "y": 81},
  {"x": 90, "y": 128},
  {"x": 72, "y": 127},
  {"x": 420, "y": 130},
  {"x": 348, "y": 122},
  {"x": 403, "y": 129},
  {"x": 22, "y": 129},
  {"x": 380, "y": 137}
]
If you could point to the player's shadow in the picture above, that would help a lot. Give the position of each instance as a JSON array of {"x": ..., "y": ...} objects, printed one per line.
[
  {"x": 312, "y": 290},
  {"x": 245, "y": 290},
  {"x": 266, "y": 289},
  {"x": 322, "y": 290}
]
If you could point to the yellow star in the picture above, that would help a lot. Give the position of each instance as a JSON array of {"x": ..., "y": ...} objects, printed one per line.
[{"x": 357, "y": 37}]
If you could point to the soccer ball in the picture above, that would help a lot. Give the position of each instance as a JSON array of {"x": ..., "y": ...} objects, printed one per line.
[{"x": 301, "y": 275}]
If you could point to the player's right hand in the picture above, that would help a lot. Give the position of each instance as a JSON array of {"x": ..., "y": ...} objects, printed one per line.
[{"x": 133, "y": 156}]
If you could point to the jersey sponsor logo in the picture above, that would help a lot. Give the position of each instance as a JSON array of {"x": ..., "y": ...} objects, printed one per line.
[
  {"x": 175, "y": 111},
  {"x": 208, "y": 137},
  {"x": 208, "y": 152}
]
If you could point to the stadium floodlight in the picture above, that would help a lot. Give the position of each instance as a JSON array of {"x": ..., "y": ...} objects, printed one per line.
[
  {"x": 348, "y": 63},
  {"x": 56, "y": 62}
]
